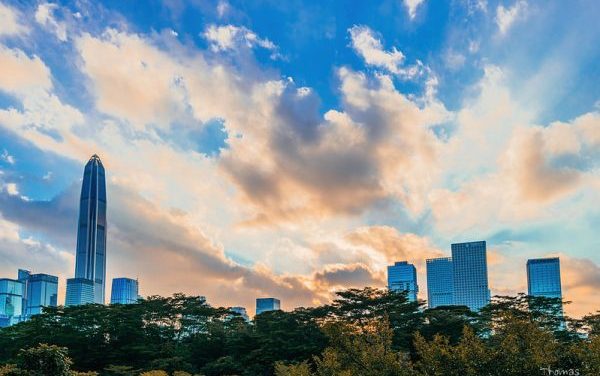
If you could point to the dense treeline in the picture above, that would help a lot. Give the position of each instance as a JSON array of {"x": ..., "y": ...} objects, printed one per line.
[{"x": 362, "y": 332}]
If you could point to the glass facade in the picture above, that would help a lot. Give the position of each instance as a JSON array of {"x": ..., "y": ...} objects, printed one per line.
[
  {"x": 40, "y": 290},
  {"x": 402, "y": 276},
  {"x": 267, "y": 304},
  {"x": 11, "y": 301},
  {"x": 469, "y": 274},
  {"x": 124, "y": 291},
  {"x": 440, "y": 282},
  {"x": 90, "y": 259},
  {"x": 543, "y": 277},
  {"x": 79, "y": 291}
]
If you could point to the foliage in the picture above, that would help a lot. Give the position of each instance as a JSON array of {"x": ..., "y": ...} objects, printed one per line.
[
  {"x": 362, "y": 332},
  {"x": 300, "y": 369},
  {"x": 154, "y": 373},
  {"x": 9, "y": 370},
  {"x": 365, "y": 350},
  {"x": 45, "y": 360}
]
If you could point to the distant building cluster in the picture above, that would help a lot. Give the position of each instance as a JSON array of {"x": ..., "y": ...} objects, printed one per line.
[
  {"x": 25, "y": 296},
  {"x": 458, "y": 280},
  {"x": 462, "y": 279}
]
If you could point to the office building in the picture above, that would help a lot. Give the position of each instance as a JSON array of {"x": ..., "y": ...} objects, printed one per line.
[
  {"x": 90, "y": 257},
  {"x": 267, "y": 304},
  {"x": 79, "y": 291},
  {"x": 11, "y": 301},
  {"x": 440, "y": 282},
  {"x": 470, "y": 275},
  {"x": 124, "y": 291},
  {"x": 543, "y": 277},
  {"x": 39, "y": 291},
  {"x": 402, "y": 276}
]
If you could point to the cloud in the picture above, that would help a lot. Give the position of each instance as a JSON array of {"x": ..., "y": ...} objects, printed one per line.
[
  {"x": 11, "y": 189},
  {"x": 44, "y": 15},
  {"x": 19, "y": 252},
  {"x": 411, "y": 6},
  {"x": 9, "y": 22},
  {"x": 133, "y": 80},
  {"x": 580, "y": 279},
  {"x": 294, "y": 164},
  {"x": 347, "y": 276},
  {"x": 144, "y": 238},
  {"x": 454, "y": 60},
  {"x": 22, "y": 74},
  {"x": 309, "y": 176},
  {"x": 369, "y": 47},
  {"x": 42, "y": 115},
  {"x": 394, "y": 245},
  {"x": 522, "y": 171},
  {"x": 6, "y": 157},
  {"x": 229, "y": 37},
  {"x": 506, "y": 17}
]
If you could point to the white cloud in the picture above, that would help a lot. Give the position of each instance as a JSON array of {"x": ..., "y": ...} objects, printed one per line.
[
  {"x": 6, "y": 157},
  {"x": 44, "y": 15},
  {"x": 223, "y": 8},
  {"x": 368, "y": 46},
  {"x": 11, "y": 189},
  {"x": 9, "y": 22},
  {"x": 454, "y": 60},
  {"x": 229, "y": 37},
  {"x": 371, "y": 49},
  {"x": 21, "y": 74},
  {"x": 522, "y": 172},
  {"x": 506, "y": 17},
  {"x": 411, "y": 6}
]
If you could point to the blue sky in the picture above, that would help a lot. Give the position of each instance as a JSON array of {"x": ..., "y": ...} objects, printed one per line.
[{"x": 266, "y": 148}]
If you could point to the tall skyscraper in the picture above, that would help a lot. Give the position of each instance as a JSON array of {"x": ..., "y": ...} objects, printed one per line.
[
  {"x": 124, "y": 291},
  {"x": 11, "y": 301},
  {"x": 402, "y": 276},
  {"x": 470, "y": 277},
  {"x": 543, "y": 277},
  {"x": 267, "y": 304},
  {"x": 39, "y": 291},
  {"x": 90, "y": 259},
  {"x": 440, "y": 282}
]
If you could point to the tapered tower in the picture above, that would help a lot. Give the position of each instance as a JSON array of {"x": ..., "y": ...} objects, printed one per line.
[{"x": 88, "y": 286}]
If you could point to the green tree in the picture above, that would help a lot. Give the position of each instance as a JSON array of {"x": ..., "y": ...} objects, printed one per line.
[
  {"x": 364, "y": 350},
  {"x": 300, "y": 369},
  {"x": 361, "y": 306},
  {"x": 45, "y": 360},
  {"x": 439, "y": 357},
  {"x": 522, "y": 347},
  {"x": 154, "y": 373},
  {"x": 448, "y": 321},
  {"x": 9, "y": 370}
]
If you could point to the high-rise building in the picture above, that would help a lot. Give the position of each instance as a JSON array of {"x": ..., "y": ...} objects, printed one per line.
[
  {"x": 440, "y": 282},
  {"x": 402, "y": 276},
  {"x": 124, "y": 291},
  {"x": 241, "y": 311},
  {"x": 90, "y": 258},
  {"x": 267, "y": 304},
  {"x": 79, "y": 291},
  {"x": 39, "y": 291},
  {"x": 11, "y": 301},
  {"x": 543, "y": 277},
  {"x": 470, "y": 277}
]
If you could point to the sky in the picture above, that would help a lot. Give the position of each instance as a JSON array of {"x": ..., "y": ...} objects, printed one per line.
[{"x": 292, "y": 149}]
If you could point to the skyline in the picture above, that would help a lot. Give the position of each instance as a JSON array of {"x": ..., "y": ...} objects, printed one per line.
[{"x": 292, "y": 150}]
